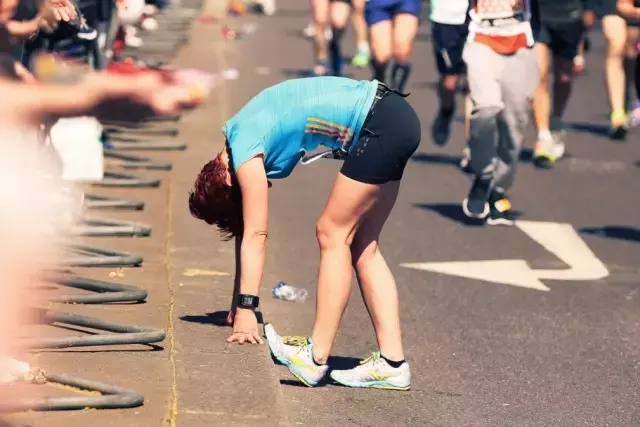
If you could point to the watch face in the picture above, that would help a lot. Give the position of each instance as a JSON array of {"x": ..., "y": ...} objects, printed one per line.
[{"x": 247, "y": 300}]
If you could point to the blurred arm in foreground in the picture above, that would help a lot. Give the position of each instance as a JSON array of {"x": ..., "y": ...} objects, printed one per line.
[{"x": 126, "y": 98}]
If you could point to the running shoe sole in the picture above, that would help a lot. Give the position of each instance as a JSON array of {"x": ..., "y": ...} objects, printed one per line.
[
  {"x": 470, "y": 214},
  {"x": 372, "y": 384}
]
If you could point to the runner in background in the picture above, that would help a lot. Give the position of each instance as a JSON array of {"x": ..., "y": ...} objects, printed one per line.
[
  {"x": 393, "y": 25},
  {"x": 363, "y": 53},
  {"x": 449, "y": 31},
  {"x": 328, "y": 48},
  {"x": 630, "y": 11},
  {"x": 502, "y": 72},
  {"x": 559, "y": 34},
  {"x": 615, "y": 33}
]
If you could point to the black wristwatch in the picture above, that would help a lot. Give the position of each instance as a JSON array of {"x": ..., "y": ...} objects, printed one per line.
[{"x": 248, "y": 301}]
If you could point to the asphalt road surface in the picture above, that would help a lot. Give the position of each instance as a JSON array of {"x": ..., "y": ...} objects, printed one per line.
[{"x": 551, "y": 338}]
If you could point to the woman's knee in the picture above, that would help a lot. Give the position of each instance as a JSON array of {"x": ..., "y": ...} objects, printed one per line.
[
  {"x": 331, "y": 235},
  {"x": 616, "y": 39},
  {"x": 402, "y": 53}
]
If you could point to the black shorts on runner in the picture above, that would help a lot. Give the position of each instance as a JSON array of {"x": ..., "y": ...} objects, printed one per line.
[
  {"x": 563, "y": 39},
  {"x": 448, "y": 43},
  {"x": 349, "y": 2},
  {"x": 389, "y": 137},
  {"x": 607, "y": 7}
]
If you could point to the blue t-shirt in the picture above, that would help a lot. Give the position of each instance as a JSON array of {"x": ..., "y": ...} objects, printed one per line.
[{"x": 296, "y": 116}]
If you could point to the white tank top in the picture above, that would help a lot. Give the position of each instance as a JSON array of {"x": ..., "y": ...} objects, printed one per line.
[{"x": 452, "y": 12}]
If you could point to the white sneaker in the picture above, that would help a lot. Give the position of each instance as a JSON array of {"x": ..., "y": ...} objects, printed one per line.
[
  {"x": 133, "y": 41},
  {"x": 268, "y": 7},
  {"x": 149, "y": 24},
  {"x": 310, "y": 32},
  {"x": 296, "y": 353},
  {"x": 375, "y": 372}
]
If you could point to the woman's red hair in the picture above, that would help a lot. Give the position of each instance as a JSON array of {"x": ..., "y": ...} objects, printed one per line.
[{"x": 215, "y": 202}]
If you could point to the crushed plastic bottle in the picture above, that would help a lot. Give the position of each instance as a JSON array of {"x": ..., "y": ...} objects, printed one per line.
[{"x": 289, "y": 293}]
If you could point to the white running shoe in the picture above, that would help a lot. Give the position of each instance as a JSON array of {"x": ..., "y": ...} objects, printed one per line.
[
  {"x": 375, "y": 372},
  {"x": 296, "y": 353}
]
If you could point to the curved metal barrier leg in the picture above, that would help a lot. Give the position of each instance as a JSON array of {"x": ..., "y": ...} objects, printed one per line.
[
  {"x": 147, "y": 145},
  {"x": 104, "y": 292},
  {"x": 113, "y": 397},
  {"x": 142, "y": 131},
  {"x": 94, "y": 256},
  {"x": 102, "y": 227},
  {"x": 118, "y": 179},
  {"x": 121, "y": 334},
  {"x": 93, "y": 201},
  {"x": 135, "y": 162}
]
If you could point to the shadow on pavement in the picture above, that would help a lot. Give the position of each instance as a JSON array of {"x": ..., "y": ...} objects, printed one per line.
[
  {"x": 437, "y": 159},
  {"x": 614, "y": 232},
  {"x": 592, "y": 128},
  {"x": 297, "y": 72},
  {"x": 423, "y": 37},
  {"x": 217, "y": 318},
  {"x": 451, "y": 211},
  {"x": 426, "y": 85},
  {"x": 526, "y": 156}
]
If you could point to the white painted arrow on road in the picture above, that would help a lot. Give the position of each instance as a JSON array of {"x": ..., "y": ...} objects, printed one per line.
[{"x": 559, "y": 239}]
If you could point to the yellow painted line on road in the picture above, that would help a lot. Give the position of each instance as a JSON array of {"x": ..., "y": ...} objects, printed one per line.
[
  {"x": 194, "y": 272},
  {"x": 173, "y": 408}
]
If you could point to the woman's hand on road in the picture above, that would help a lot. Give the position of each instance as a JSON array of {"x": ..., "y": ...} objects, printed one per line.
[{"x": 245, "y": 328}]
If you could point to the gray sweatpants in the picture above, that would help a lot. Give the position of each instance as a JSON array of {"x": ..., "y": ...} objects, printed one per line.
[{"x": 501, "y": 89}]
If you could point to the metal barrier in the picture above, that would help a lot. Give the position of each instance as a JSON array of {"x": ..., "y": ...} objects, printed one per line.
[
  {"x": 136, "y": 144},
  {"x": 93, "y": 201},
  {"x": 121, "y": 334},
  {"x": 102, "y": 227},
  {"x": 95, "y": 256},
  {"x": 118, "y": 137},
  {"x": 104, "y": 292},
  {"x": 119, "y": 179},
  {"x": 112, "y": 397},
  {"x": 130, "y": 161}
]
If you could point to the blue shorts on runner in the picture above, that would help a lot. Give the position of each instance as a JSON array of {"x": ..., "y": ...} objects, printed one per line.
[{"x": 384, "y": 10}]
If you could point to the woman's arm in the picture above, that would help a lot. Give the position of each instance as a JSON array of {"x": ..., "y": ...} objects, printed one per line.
[
  {"x": 99, "y": 94},
  {"x": 236, "y": 280},
  {"x": 36, "y": 103},
  {"x": 23, "y": 29},
  {"x": 627, "y": 10},
  {"x": 254, "y": 187}
]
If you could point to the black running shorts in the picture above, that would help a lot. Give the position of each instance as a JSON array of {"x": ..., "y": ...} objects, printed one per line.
[
  {"x": 563, "y": 39},
  {"x": 389, "y": 137}
]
